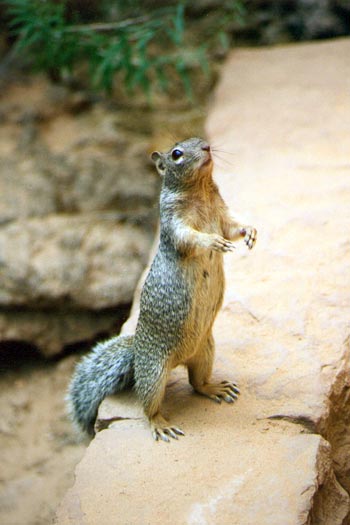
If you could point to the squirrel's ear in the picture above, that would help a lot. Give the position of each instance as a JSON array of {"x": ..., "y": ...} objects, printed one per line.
[{"x": 158, "y": 160}]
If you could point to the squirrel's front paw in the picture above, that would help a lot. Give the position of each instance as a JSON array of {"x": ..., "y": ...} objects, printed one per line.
[
  {"x": 219, "y": 244},
  {"x": 250, "y": 234}
]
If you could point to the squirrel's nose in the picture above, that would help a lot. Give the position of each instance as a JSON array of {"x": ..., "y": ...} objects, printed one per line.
[{"x": 206, "y": 148}]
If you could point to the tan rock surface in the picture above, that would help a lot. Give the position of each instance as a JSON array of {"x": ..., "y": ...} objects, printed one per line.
[
  {"x": 78, "y": 261},
  {"x": 60, "y": 277},
  {"x": 283, "y": 332},
  {"x": 76, "y": 208}
]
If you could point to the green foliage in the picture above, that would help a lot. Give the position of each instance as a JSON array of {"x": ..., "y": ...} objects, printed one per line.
[
  {"x": 40, "y": 27},
  {"x": 140, "y": 51}
]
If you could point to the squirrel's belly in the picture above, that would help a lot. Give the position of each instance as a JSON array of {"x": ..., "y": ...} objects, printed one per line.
[
  {"x": 207, "y": 292},
  {"x": 178, "y": 307},
  {"x": 208, "y": 295}
]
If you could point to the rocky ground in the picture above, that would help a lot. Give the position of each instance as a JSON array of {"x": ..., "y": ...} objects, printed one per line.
[
  {"x": 37, "y": 444},
  {"x": 280, "y": 455}
]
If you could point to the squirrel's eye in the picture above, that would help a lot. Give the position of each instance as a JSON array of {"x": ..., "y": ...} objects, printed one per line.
[{"x": 176, "y": 154}]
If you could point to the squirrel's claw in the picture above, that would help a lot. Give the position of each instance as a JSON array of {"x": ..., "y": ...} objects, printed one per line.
[
  {"x": 232, "y": 386},
  {"x": 219, "y": 244},
  {"x": 250, "y": 234},
  {"x": 225, "y": 391},
  {"x": 159, "y": 434},
  {"x": 231, "y": 392},
  {"x": 161, "y": 429},
  {"x": 164, "y": 433}
]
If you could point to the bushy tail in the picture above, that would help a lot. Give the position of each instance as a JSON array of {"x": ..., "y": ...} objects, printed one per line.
[{"x": 107, "y": 369}]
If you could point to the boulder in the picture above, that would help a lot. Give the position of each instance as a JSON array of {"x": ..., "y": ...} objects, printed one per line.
[
  {"x": 77, "y": 261},
  {"x": 62, "y": 276}
]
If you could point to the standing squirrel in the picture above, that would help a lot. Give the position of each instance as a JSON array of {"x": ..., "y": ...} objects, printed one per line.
[{"x": 180, "y": 298}]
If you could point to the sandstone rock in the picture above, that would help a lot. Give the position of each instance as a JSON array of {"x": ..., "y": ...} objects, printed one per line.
[
  {"x": 282, "y": 333},
  {"x": 91, "y": 172},
  {"x": 62, "y": 277},
  {"x": 76, "y": 261},
  {"x": 76, "y": 212},
  {"x": 50, "y": 330},
  {"x": 25, "y": 191},
  {"x": 111, "y": 174},
  {"x": 207, "y": 477}
]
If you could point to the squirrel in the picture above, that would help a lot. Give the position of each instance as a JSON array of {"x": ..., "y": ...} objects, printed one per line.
[{"x": 180, "y": 298}]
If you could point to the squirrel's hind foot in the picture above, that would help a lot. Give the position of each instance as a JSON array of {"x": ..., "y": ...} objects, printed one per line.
[
  {"x": 162, "y": 430},
  {"x": 226, "y": 391}
]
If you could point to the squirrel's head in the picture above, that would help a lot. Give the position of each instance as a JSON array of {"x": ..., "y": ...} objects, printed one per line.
[{"x": 185, "y": 161}]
